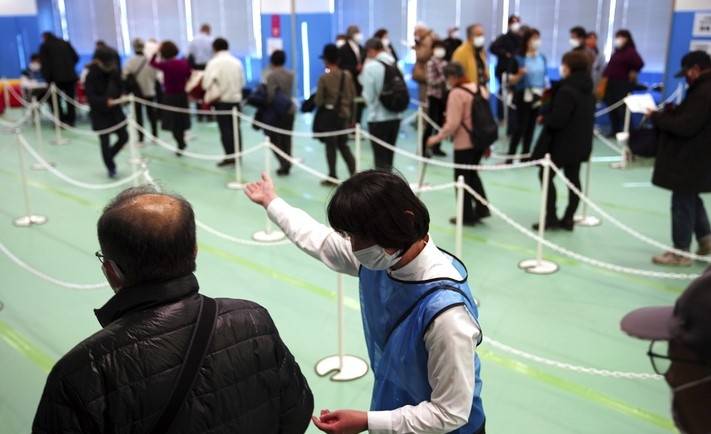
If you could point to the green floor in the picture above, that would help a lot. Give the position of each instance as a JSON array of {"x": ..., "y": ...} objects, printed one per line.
[{"x": 569, "y": 317}]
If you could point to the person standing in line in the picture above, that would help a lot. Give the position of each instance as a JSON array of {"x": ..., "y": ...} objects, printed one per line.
[
  {"x": 419, "y": 316},
  {"x": 683, "y": 160},
  {"x": 472, "y": 56},
  {"x": 621, "y": 72},
  {"x": 504, "y": 48},
  {"x": 382, "y": 34},
  {"x": 199, "y": 53},
  {"x": 279, "y": 78},
  {"x": 103, "y": 88},
  {"x": 529, "y": 82},
  {"x": 598, "y": 65},
  {"x": 680, "y": 351},
  {"x": 146, "y": 79},
  {"x": 568, "y": 133},
  {"x": 122, "y": 378},
  {"x": 352, "y": 55},
  {"x": 452, "y": 42},
  {"x": 424, "y": 40},
  {"x": 459, "y": 125},
  {"x": 176, "y": 73},
  {"x": 436, "y": 96},
  {"x": 58, "y": 60},
  {"x": 383, "y": 124},
  {"x": 226, "y": 73},
  {"x": 577, "y": 42},
  {"x": 336, "y": 91}
]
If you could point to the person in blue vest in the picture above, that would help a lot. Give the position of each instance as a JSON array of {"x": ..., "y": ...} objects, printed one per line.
[{"x": 419, "y": 316}]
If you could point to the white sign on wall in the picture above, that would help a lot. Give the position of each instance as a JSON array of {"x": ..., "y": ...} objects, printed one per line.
[
  {"x": 18, "y": 7},
  {"x": 700, "y": 45},
  {"x": 702, "y": 24}
]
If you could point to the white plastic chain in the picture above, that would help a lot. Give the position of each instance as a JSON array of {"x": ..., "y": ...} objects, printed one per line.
[
  {"x": 70, "y": 100},
  {"x": 18, "y": 122},
  {"x": 81, "y": 131}
]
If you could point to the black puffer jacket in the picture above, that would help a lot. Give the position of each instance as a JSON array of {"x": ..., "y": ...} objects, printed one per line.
[
  {"x": 118, "y": 380},
  {"x": 101, "y": 85},
  {"x": 683, "y": 161},
  {"x": 570, "y": 120}
]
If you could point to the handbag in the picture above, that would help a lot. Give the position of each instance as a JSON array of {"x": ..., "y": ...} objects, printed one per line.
[
  {"x": 643, "y": 140},
  {"x": 328, "y": 119},
  {"x": 199, "y": 341}
]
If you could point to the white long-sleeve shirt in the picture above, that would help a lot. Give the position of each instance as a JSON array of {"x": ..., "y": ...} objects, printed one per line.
[
  {"x": 450, "y": 341},
  {"x": 227, "y": 71}
]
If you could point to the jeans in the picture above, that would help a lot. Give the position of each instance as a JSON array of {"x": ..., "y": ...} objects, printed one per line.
[
  {"x": 473, "y": 209},
  {"x": 339, "y": 143},
  {"x": 688, "y": 215},
  {"x": 224, "y": 123}
]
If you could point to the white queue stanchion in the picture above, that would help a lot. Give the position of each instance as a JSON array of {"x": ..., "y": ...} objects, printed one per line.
[
  {"x": 585, "y": 219},
  {"x": 460, "y": 219},
  {"x": 347, "y": 367},
  {"x": 38, "y": 135},
  {"x": 358, "y": 145},
  {"x": 28, "y": 219},
  {"x": 538, "y": 265},
  {"x": 238, "y": 183},
  {"x": 135, "y": 160},
  {"x": 58, "y": 139},
  {"x": 268, "y": 234}
]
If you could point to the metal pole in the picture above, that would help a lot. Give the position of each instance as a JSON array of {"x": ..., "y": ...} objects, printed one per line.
[
  {"x": 357, "y": 147},
  {"x": 29, "y": 219},
  {"x": 38, "y": 136},
  {"x": 237, "y": 184},
  {"x": 460, "y": 214}
]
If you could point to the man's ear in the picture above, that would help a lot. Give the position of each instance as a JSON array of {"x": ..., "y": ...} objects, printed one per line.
[{"x": 411, "y": 216}]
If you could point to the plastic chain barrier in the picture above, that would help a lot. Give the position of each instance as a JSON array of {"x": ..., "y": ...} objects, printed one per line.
[
  {"x": 81, "y": 131},
  {"x": 18, "y": 122},
  {"x": 72, "y": 101},
  {"x": 608, "y": 142},
  {"x": 28, "y": 103}
]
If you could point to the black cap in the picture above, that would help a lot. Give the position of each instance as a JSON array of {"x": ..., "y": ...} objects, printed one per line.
[
  {"x": 694, "y": 58},
  {"x": 688, "y": 322},
  {"x": 330, "y": 53}
]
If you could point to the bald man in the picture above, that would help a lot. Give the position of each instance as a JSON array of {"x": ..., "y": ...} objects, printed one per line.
[{"x": 146, "y": 369}]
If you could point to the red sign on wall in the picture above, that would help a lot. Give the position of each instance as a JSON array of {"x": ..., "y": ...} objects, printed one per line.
[{"x": 276, "y": 26}]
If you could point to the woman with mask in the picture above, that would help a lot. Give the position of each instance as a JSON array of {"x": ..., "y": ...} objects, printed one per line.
[
  {"x": 103, "y": 88},
  {"x": 568, "y": 133},
  {"x": 382, "y": 34},
  {"x": 529, "y": 81},
  {"x": 414, "y": 297},
  {"x": 621, "y": 73},
  {"x": 436, "y": 96}
]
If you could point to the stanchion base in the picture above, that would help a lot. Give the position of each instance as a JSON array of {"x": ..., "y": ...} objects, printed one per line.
[
  {"x": 417, "y": 188},
  {"x": 619, "y": 165},
  {"x": 352, "y": 367},
  {"x": 236, "y": 185},
  {"x": 59, "y": 141},
  {"x": 264, "y": 236},
  {"x": 587, "y": 220},
  {"x": 534, "y": 266},
  {"x": 138, "y": 161},
  {"x": 43, "y": 166},
  {"x": 29, "y": 220}
]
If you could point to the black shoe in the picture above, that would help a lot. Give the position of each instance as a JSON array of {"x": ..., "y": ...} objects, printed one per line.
[
  {"x": 439, "y": 152},
  {"x": 550, "y": 226},
  {"x": 226, "y": 162},
  {"x": 282, "y": 172},
  {"x": 469, "y": 223},
  {"x": 483, "y": 214},
  {"x": 112, "y": 173},
  {"x": 567, "y": 224}
]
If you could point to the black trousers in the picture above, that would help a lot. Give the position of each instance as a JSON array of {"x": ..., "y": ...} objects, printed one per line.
[
  {"x": 615, "y": 91},
  {"x": 69, "y": 115},
  {"x": 472, "y": 207},
  {"x": 572, "y": 172},
  {"x": 339, "y": 143},
  {"x": 108, "y": 152},
  {"x": 283, "y": 141},
  {"x": 224, "y": 123},
  {"x": 150, "y": 113},
  {"x": 525, "y": 125},
  {"x": 435, "y": 111},
  {"x": 386, "y": 131}
]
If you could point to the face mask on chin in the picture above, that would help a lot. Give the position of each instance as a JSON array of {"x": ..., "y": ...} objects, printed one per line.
[{"x": 376, "y": 258}]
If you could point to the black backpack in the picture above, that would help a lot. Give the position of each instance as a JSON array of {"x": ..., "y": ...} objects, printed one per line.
[
  {"x": 485, "y": 130},
  {"x": 395, "y": 96}
]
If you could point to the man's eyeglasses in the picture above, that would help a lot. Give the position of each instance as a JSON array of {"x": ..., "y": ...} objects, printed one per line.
[{"x": 661, "y": 362}]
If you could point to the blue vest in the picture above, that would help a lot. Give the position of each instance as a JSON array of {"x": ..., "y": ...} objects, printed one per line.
[{"x": 396, "y": 315}]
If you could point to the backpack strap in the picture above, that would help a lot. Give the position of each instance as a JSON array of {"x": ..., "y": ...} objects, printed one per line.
[
  {"x": 202, "y": 335},
  {"x": 473, "y": 97}
]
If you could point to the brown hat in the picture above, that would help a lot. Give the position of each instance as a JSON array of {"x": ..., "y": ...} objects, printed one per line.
[
  {"x": 687, "y": 322},
  {"x": 694, "y": 58}
]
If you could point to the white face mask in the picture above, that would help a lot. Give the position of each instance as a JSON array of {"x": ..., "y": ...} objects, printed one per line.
[
  {"x": 534, "y": 44},
  {"x": 439, "y": 52},
  {"x": 386, "y": 42},
  {"x": 376, "y": 258},
  {"x": 35, "y": 66},
  {"x": 479, "y": 41},
  {"x": 340, "y": 43},
  {"x": 454, "y": 34},
  {"x": 358, "y": 38},
  {"x": 561, "y": 71},
  {"x": 515, "y": 27},
  {"x": 574, "y": 43},
  {"x": 619, "y": 42}
]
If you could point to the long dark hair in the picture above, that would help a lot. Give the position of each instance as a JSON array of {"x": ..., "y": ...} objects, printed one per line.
[
  {"x": 527, "y": 35},
  {"x": 626, "y": 34}
]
